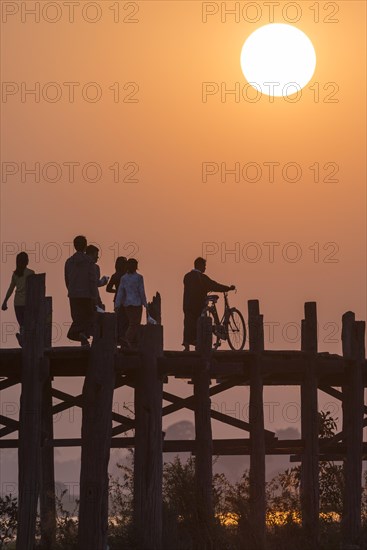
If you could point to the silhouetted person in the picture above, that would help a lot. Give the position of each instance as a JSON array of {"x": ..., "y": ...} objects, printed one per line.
[
  {"x": 17, "y": 283},
  {"x": 131, "y": 294},
  {"x": 82, "y": 284},
  {"x": 113, "y": 285},
  {"x": 120, "y": 270},
  {"x": 93, "y": 252},
  {"x": 196, "y": 287}
]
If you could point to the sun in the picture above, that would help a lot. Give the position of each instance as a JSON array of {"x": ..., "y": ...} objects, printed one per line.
[{"x": 278, "y": 59}]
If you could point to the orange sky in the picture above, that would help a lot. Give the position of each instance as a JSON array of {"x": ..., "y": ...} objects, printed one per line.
[{"x": 169, "y": 133}]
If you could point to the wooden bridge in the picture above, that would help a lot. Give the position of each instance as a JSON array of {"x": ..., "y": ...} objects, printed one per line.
[{"x": 37, "y": 365}]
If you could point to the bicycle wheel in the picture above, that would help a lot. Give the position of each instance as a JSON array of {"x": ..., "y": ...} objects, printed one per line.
[{"x": 236, "y": 330}]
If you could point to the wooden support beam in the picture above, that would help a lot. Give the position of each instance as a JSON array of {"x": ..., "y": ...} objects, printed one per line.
[
  {"x": 47, "y": 480},
  {"x": 96, "y": 436},
  {"x": 280, "y": 367},
  {"x": 8, "y": 383},
  {"x": 9, "y": 422},
  {"x": 353, "y": 334},
  {"x": 309, "y": 432},
  {"x": 148, "y": 460},
  {"x": 223, "y": 447},
  {"x": 188, "y": 403},
  {"x": 328, "y": 457},
  {"x": 257, "y": 430},
  {"x": 29, "y": 452},
  {"x": 256, "y": 327},
  {"x": 337, "y": 394},
  {"x": 203, "y": 438},
  {"x": 7, "y": 431},
  {"x": 68, "y": 401},
  {"x": 154, "y": 308},
  {"x": 331, "y": 391},
  {"x": 77, "y": 401}
]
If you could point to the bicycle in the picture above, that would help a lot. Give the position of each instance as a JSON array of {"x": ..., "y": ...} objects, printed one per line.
[{"x": 231, "y": 327}]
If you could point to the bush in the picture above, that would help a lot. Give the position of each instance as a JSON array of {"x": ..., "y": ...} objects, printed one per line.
[
  {"x": 66, "y": 525},
  {"x": 8, "y": 519},
  {"x": 121, "y": 495}
]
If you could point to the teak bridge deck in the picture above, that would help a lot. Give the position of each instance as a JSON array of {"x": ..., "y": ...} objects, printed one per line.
[{"x": 105, "y": 369}]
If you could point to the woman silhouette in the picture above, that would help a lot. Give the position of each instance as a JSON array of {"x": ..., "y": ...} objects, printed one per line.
[
  {"x": 18, "y": 283},
  {"x": 131, "y": 295}
]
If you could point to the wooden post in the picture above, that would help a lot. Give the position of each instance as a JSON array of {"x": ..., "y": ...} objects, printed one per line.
[
  {"x": 154, "y": 308},
  {"x": 47, "y": 478},
  {"x": 203, "y": 438},
  {"x": 256, "y": 327},
  {"x": 257, "y": 433},
  {"x": 310, "y": 432},
  {"x": 148, "y": 456},
  {"x": 353, "y": 412},
  {"x": 96, "y": 436},
  {"x": 29, "y": 452}
]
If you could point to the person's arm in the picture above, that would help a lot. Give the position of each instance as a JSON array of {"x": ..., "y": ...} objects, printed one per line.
[
  {"x": 93, "y": 282},
  {"x": 119, "y": 294},
  {"x": 11, "y": 288},
  {"x": 213, "y": 286},
  {"x": 111, "y": 287},
  {"x": 100, "y": 304},
  {"x": 100, "y": 281},
  {"x": 142, "y": 291},
  {"x": 66, "y": 273}
]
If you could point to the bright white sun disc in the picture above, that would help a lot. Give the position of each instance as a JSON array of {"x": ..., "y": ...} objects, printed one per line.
[{"x": 276, "y": 56}]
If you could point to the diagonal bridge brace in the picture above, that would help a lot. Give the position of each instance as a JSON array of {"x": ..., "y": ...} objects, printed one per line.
[
  {"x": 9, "y": 422},
  {"x": 8, "y": 383},
  {"x": 71, "y": 401},
  {"x": 179, "y": 403},
  {"x": 188, "y": 403},
  {"x": 336, "y": 393}
]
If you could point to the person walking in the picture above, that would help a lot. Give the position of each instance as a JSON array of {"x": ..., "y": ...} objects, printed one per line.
[
  {"x": 131, "y": 294},
  {"x": 82, "y": 284},
  {"x": 18, "y": 283},
  {"x": 196, "y": 287},
  {"x": 112, "y": 287}
]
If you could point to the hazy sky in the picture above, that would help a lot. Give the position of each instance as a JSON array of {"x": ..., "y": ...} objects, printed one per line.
[{"x": 124, "y": 101}]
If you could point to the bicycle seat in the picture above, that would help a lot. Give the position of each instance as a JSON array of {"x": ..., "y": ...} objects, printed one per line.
[{"x": 212, "y": 298}]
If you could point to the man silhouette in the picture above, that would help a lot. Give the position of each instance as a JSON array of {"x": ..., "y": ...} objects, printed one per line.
[
  {"x": 196, "y": 287},
  {"x": 82, "y": 284}
]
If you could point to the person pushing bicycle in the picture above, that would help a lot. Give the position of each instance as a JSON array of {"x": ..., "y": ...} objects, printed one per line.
[{"x": 196, "y": 287}]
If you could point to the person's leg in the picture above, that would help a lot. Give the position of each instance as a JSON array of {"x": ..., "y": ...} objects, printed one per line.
[
  {"x": 129, "y": 330},
  {"x": 185, "y": 342},
  {"x": 122, "y": 324},
  {"x": 89, "y": 317},
  {"x": 190, "y": 322},
  {"x": 74, "y": 330},
  {"x": 134, "y": 314},
  {"x": 82, "y": 314},
  {"x": 19, "y": 313}
]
